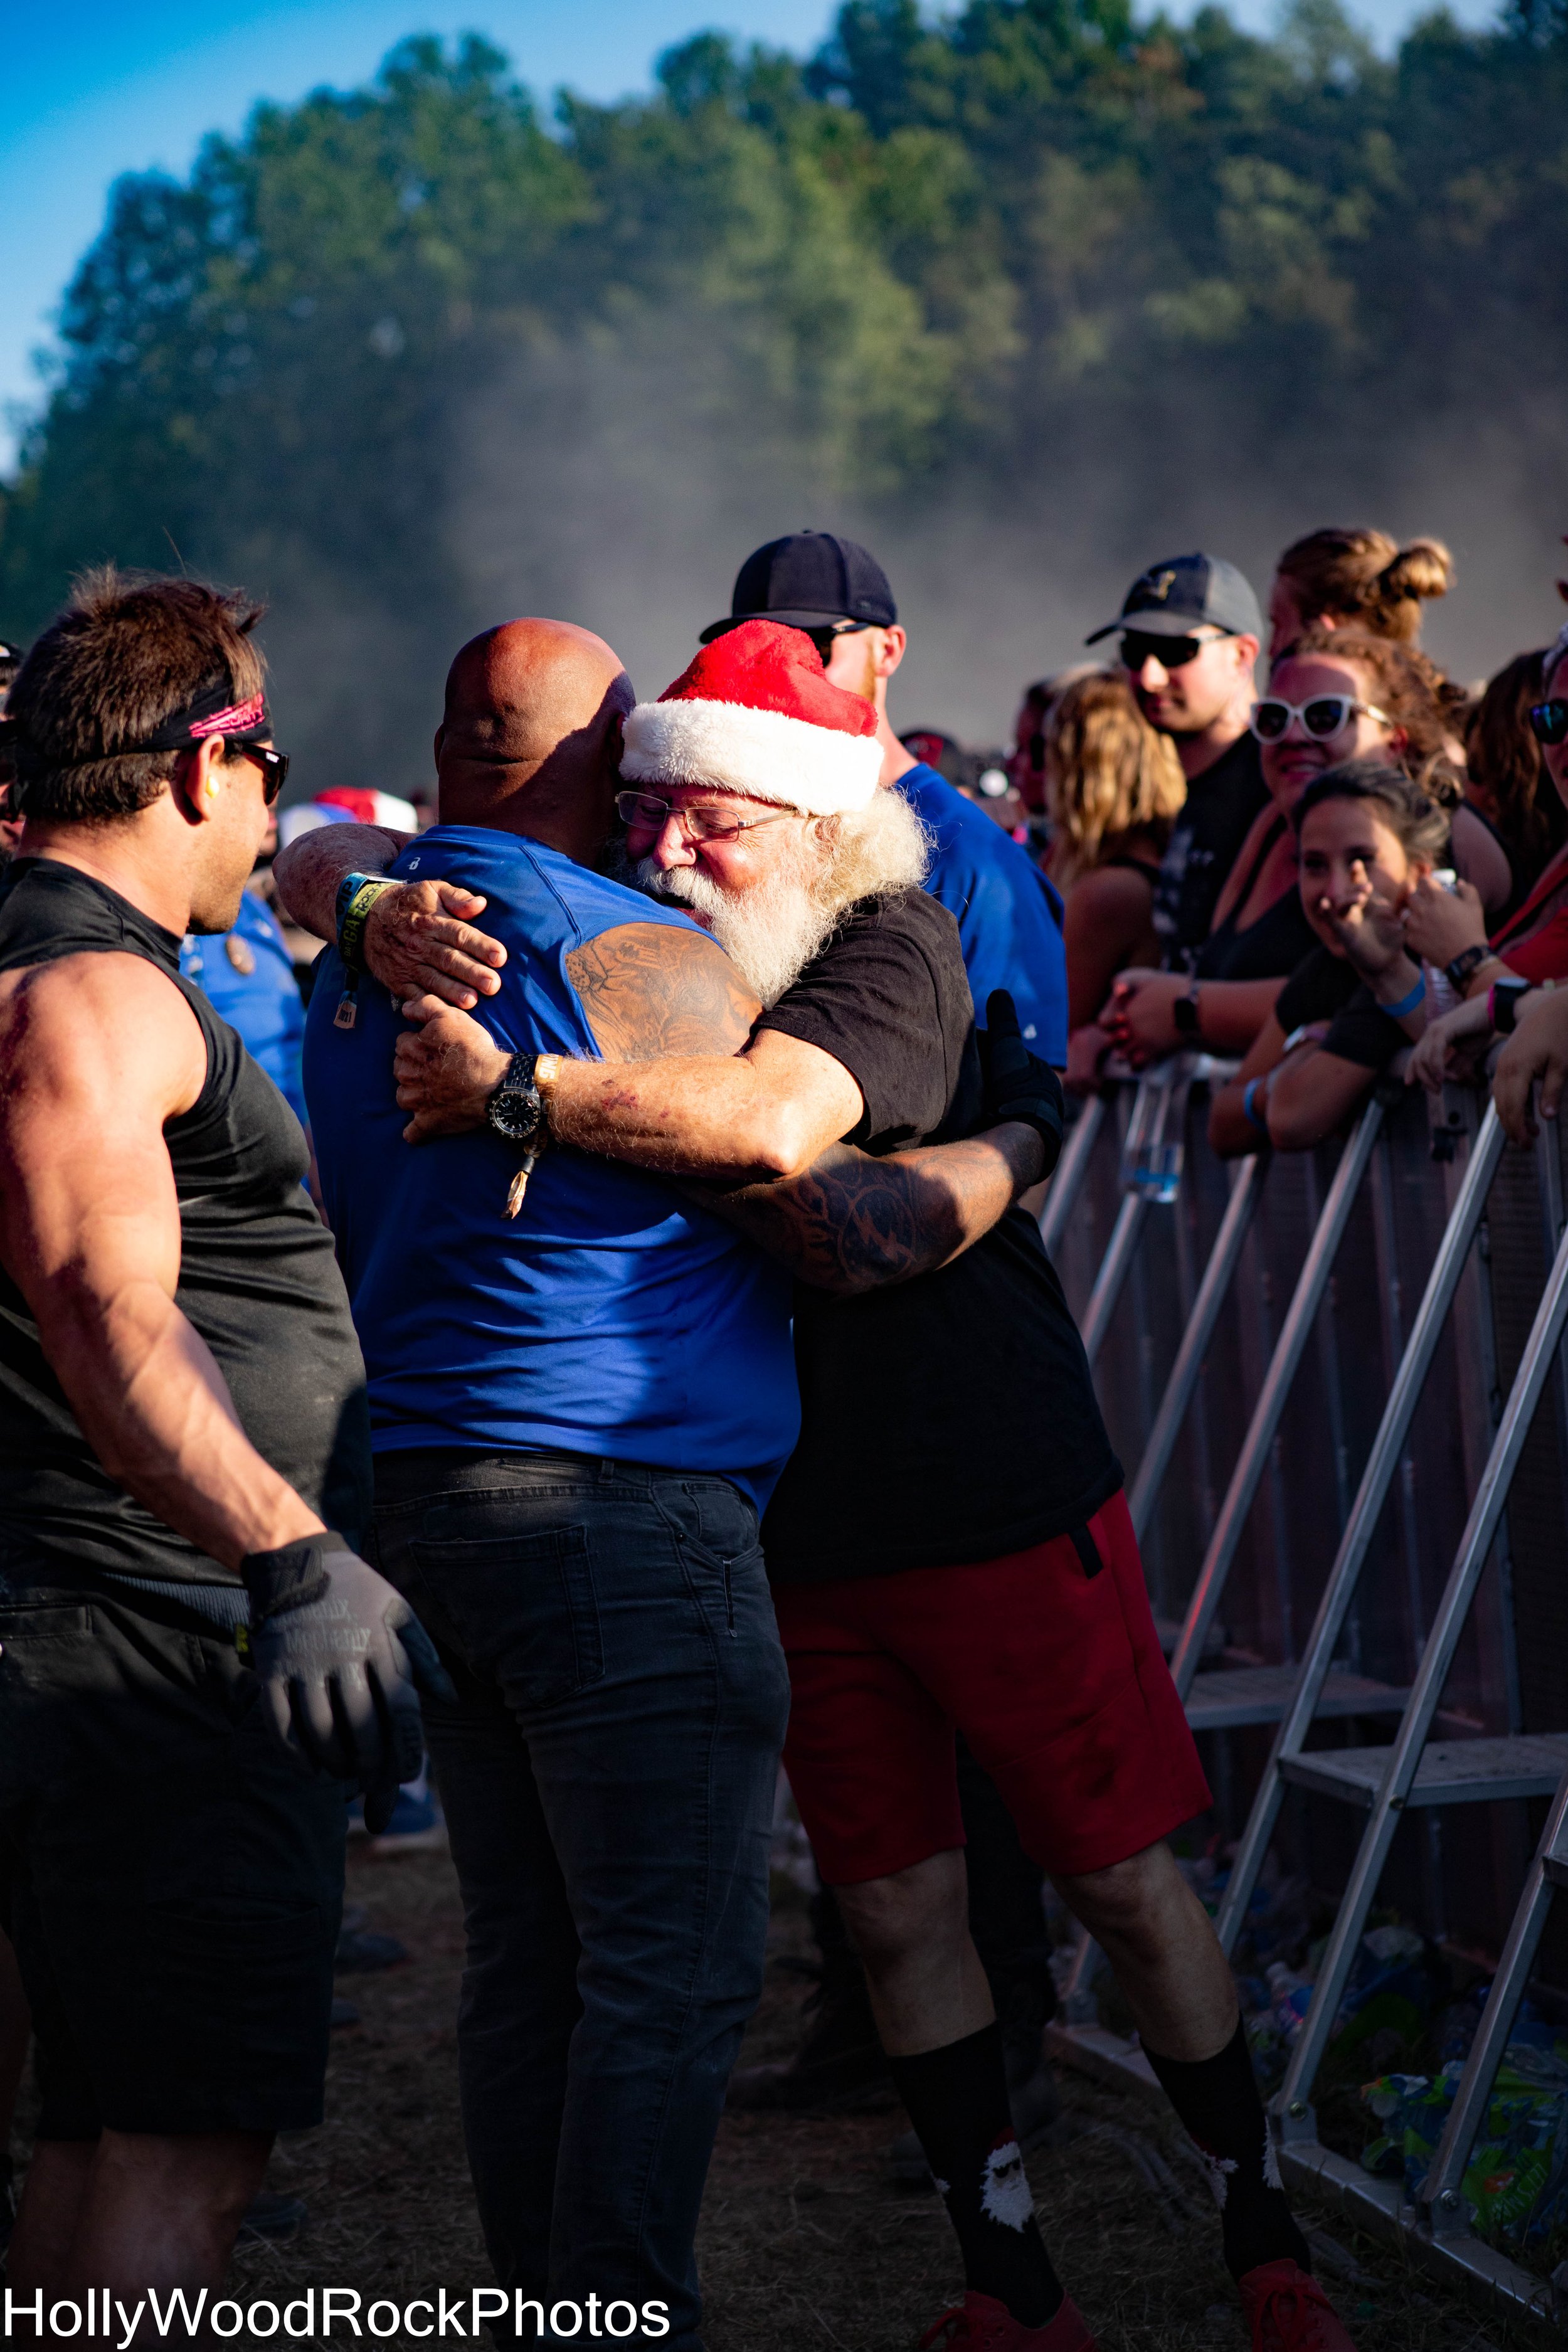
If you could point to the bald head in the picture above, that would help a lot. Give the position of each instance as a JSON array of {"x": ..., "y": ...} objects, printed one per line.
[{"x": 530, "y": 741}]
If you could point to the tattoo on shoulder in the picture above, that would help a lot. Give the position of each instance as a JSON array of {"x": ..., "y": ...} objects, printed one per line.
[{"x": 649, "y": 990}]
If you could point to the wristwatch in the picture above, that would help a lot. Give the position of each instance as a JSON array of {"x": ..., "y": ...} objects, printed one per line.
[
  {"x": 1502, "y": 1004},
  {"x": 516, "y": 1109},
  {"x": 1184, "y": 1013},
  {"x": 1468, "y": 960}
]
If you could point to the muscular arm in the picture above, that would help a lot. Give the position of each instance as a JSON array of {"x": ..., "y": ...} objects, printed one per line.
[
  {"x": 95, "y": 1051},
  {"x": 852, "y": 1223}
]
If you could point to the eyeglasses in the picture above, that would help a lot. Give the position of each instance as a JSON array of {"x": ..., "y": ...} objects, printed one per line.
[
  {"x": 1549, "y": 721},
  {"x": 1171, "y": 653},
  {"x": 274, "y": 767},
  {"x": 1326, "y": 716},
  {"x": 645, "y": 812}
]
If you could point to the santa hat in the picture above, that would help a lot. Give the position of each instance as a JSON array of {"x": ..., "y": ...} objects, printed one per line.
[{"x": 754, "y": 714}]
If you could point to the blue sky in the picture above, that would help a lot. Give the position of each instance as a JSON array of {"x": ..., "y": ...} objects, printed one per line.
[{"x": 97, "y": 88}]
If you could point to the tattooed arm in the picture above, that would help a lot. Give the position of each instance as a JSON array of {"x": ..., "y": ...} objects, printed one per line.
[
  {"x": 680, "y": 1089},
  {"x": 852, "y": 1223}
]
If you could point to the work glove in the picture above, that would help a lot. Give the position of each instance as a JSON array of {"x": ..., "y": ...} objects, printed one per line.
[
  {"x": 342, "y": 1657},
  {"x": 1018, "y": 1084}
]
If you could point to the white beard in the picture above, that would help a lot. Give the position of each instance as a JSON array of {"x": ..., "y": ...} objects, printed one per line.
[{"x": 770, "y": 933}]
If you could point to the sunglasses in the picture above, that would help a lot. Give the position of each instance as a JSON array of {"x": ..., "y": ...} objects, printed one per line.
[
  {"x": 1549, "y": 721},
  {"x": 274, "y": 767},
  {"x": 1326, "y": 716},
  {"x": 645, "y": 812},
  {"x": 1171, "y": 653},
  {"x": 823, "y": 639}
]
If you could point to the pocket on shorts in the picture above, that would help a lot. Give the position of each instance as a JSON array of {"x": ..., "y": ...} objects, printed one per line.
[{"x": 522, "y": 1604}]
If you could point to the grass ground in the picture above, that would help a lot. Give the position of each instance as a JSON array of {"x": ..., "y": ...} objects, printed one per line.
[{"x": 804, "y": 2247}]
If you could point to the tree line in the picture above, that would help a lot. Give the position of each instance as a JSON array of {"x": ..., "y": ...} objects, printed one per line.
[{"x": 924, "y": 262}]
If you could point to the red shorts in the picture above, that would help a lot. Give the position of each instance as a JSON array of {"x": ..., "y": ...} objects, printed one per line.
[{"x": 1054, "y": 1675}]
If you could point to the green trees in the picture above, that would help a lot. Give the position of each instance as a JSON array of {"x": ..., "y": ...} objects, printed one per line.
[{"x": 399, "y": 353}]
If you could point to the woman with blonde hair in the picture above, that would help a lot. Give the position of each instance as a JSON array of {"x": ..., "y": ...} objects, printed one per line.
[
  {"x": 1114, "y": 787},
  {"x": 1360, "y": 578}
]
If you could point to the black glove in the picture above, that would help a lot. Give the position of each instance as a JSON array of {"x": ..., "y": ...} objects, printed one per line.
[
  {"x": 1018, "y": 1084},
  {"x": 340, "y": 1653}
]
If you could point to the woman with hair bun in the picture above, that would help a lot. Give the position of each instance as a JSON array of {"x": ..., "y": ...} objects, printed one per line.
[{"x": 1361, "y": 579}]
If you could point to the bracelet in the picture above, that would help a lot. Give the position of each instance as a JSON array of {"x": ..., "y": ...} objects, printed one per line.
[
  {"x": 1406, "y": 1005},
  {"x": 357, "y": 894},
  {"x": 1249, "y": 1093}
]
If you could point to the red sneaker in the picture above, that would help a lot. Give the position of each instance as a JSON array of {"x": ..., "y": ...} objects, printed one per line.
[
  {"x": 984, "y": 2325},
  {"x": 1289, "y": 2312}
]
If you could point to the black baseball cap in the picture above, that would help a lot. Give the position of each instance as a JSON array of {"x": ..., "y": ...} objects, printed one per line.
[
  {"x": 1172, "y": 599},
  {"x": 807, "y": 580}
]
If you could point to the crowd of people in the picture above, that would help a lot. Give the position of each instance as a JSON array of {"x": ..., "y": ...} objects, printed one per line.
[
  {"x": 1364, "y": 858},
  {"x": 662, "y": 1373}
]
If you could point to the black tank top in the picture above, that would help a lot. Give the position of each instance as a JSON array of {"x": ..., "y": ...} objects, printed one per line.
[
  {"x": 1269, "y": 947},
  {"x": 257, "y": 1279}
]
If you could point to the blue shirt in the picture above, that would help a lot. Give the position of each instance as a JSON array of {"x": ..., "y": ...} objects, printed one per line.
[
  {"x": 247, "y": 978},
  {"x": 1009, "y": 914},
  {"x": 611, "y": 1315}
]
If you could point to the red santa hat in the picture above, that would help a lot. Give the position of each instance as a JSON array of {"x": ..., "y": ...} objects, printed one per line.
[{"x": 754, "y": 714}]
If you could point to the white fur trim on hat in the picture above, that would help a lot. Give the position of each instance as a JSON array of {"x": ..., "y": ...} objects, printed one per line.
[{"x": 766, "y": 754}]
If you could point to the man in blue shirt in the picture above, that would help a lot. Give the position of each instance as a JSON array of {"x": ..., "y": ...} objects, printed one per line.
[
  {"x": 247, "y": 976},
  {"x": 1008, "y": 914},
  {"x": 582, "y": 1391}
]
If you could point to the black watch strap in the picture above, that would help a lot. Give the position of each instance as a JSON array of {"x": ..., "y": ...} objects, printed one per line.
[
  {"x": 516, "y": 1109},
  {"x": 1466, "y": 962},
  {"x": 1186, "y": 1014}
]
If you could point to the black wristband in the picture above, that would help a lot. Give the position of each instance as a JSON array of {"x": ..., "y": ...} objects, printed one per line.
[
  {"x": 1187, "y": 1014},
  {"x": 1467, "y": 961}
]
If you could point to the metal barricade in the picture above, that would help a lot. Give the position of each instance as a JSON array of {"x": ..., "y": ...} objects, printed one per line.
[{"x": 1345, "y": 1520}]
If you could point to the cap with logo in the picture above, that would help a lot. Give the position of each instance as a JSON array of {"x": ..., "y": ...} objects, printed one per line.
[
  {"x": 806, "y": 582},
  {"x": 1170, "y": 600}
]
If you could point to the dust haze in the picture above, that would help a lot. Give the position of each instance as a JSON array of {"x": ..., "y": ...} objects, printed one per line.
[{"x": 622, "y": 490}]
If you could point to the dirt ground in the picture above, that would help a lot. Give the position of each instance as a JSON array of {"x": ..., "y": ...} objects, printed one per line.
[{"x": 804, "y": 2246}]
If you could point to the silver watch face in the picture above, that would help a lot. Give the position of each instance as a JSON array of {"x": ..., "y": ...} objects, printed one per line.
[{"x": 514, "y": 1113}]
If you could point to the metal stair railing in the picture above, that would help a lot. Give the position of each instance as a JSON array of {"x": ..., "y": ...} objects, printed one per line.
[
  {"x": 1062, "y": 1192},
  {"x": 1416, "y": 1770},
  {"x": 1252, "y": 1461},
  {"x": 1312, "y": 1679},
  {"x": 1442, "y": 2194},
  {"x": 1247, "y": 1185}
]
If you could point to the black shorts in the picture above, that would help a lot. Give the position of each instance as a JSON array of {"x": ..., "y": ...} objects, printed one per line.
[{"x": 172, "y": 1877}]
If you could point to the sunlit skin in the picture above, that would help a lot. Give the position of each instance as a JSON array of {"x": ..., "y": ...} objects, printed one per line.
[
  {"x": 862, "y": 661},
  {"x": 1356, "y": 882}
]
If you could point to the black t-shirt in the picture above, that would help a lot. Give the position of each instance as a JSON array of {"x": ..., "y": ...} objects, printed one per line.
[
  {"x": 1327, "y": 987},
  {"x": 952, "y": 1418},
  {"x": 259, "y": 1281},
  {"x": 1205, "y": 842}
]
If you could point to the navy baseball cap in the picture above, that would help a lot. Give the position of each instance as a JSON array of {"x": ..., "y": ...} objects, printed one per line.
[
  {"x": 1172, "y": 599},
  {"x": 806, "y": 581}
]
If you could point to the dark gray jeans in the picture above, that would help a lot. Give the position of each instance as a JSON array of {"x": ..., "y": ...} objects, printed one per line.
[{"x": 607, "y": 1770}]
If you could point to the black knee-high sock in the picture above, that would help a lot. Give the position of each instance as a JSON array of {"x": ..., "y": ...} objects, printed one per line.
[
  {"x": 1217, "y": 2100},
  {"x": 957, "y": 2099}
]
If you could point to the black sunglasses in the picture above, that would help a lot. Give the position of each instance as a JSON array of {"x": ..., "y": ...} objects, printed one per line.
[
  {"x": 1549, "y": 721},
  {"x": 274, "y": 767},
  {"x": 823, "y": 640},
  {"x": 1171, "y": 653}
]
